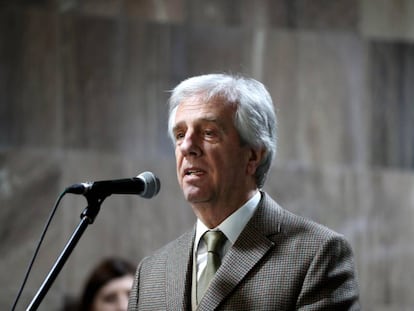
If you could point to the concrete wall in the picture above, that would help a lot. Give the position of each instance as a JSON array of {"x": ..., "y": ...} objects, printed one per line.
[{"x": 83, "y": 89}]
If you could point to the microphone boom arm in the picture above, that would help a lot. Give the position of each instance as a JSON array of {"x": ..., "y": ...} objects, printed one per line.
[{"x": 87, "y": 217}]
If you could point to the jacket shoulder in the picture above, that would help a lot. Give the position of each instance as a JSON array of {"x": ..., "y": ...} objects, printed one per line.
[{"x": 275, "y": 220}]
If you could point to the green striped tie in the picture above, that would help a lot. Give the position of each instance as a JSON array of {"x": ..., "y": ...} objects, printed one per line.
[{"x": 214, "y": 241}]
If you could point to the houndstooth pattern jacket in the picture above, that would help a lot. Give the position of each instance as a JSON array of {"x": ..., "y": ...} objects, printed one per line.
[{"x": 279, "y": 262}]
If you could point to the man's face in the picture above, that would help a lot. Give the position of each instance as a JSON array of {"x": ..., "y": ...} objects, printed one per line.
[{"x": 212, "y": 164}]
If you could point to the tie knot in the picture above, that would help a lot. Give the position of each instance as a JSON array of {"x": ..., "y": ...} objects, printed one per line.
[{"x": 214, "y": 240}]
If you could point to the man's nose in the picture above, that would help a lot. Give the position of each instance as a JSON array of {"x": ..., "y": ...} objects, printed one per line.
[{"x": 190, "y": 145}]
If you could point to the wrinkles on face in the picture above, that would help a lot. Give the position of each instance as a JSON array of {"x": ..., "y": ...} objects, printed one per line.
[{"x": 211, "y": 161}]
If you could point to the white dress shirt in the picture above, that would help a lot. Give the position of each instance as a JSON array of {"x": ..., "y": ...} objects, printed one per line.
[{"x": 232, "y": 226}]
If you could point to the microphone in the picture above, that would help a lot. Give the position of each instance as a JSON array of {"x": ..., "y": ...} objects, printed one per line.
[{"x": 145, "y": 185}]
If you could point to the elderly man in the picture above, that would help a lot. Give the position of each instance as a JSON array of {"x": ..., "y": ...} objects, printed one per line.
[{"x": 245, "y": 251}]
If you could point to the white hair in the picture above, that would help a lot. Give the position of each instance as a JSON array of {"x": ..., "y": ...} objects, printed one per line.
[{"x": 255, "y": 117}]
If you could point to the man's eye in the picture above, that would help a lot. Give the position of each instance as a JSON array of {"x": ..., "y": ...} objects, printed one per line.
[
  {"x": 209, "y": 133},
  {"x": 179, "y": 136}
]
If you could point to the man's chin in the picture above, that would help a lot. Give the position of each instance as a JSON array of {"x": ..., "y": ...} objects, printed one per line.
[{"x": 195, "y": 196}]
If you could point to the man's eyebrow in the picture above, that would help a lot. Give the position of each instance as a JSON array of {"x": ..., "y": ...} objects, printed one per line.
[
  {"x": 177, "y": 126},
  {"x": 206, "y": 119},
  {"x": 216, "y": 122},
  {"x": 212, "y": 119}
]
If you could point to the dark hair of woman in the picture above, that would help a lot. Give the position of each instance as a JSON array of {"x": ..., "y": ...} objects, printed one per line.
[{"x": 105, "y": 272}]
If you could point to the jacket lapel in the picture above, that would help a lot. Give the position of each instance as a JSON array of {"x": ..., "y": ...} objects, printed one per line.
[
  {"x": 251, "y": 246},
  {"x": 178, "y": 273}
]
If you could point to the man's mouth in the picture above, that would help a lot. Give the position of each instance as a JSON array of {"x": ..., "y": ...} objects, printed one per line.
[{"x": 193, "y": 172}]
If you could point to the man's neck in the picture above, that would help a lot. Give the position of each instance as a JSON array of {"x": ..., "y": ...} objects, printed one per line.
[{"x": 213, "y": 215}]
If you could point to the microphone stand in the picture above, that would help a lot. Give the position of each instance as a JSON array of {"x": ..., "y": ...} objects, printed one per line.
[{"x": 87, "y": 217}]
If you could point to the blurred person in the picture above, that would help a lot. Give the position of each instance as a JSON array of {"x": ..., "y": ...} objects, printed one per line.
[
  {"x": 245, "y": 251},
  {"x": 108, "y": 286}
]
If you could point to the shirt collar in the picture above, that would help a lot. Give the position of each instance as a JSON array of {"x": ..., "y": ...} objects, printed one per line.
[{"x": 233, "y": 225}]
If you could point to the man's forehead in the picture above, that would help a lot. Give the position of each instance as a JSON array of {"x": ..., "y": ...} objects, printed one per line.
[
  {"x": 208, "y": 112},
  {"x": 214, "y": 105}
]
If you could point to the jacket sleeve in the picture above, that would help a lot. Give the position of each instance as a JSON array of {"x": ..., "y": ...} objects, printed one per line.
[{"x": 330, "y": 282}]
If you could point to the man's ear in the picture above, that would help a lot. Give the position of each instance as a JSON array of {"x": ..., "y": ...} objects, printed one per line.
[{"x": 256, "y": 156}]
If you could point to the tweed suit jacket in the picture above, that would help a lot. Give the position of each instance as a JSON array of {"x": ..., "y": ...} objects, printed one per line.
[{"x": 279, "y": 262}]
